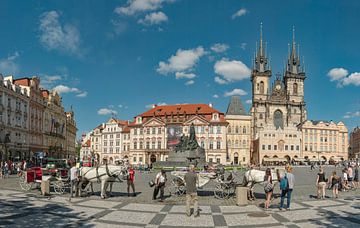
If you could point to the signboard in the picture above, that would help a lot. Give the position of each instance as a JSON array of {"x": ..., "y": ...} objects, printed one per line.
[{"x": 174, "y": 133}]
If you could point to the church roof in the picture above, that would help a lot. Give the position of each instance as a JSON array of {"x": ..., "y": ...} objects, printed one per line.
[{"x": 235, "y": 107}]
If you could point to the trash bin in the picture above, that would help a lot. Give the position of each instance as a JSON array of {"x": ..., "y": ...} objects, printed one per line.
[
  {"x": 241, "y": 195},
  {"x": 45, "y": 185}
]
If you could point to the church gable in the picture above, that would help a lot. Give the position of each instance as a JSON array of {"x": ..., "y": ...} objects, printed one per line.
[
  {"x": 197, "y": 120},
  {"x": 154, "y": 122}
]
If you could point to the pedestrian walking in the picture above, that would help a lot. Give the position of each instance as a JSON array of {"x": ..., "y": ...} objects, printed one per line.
[
  {"x": 287, "y": 183},
  {"x": 74, "y": 181},
  {"x": 350, "y": 176},
  {"x": 160, "y": 181},
  {"x": 312, "y": 166},
  {"x": 130, "y": 180},
  {"x": 356, "y": 176},
  {"x": 268, "y": 187},
  {"x": 191, "y": 179},
  {"x": 344, "y": 181},
  {"x": 6, "y": 170},
  {"x": 335, "y": 181},
  {"x": 321, "y": 184}
]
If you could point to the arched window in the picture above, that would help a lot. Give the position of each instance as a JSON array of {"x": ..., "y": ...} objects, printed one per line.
[
  {"x": 261, "y": 87},
  {"x": 278, "y": 119},
  {"x": 260, "y": 116},
  {"x": 295, "y": 89},
  {"x": 237, "y": 129}
]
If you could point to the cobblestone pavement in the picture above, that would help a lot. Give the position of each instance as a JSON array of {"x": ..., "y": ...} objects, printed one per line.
[
  {"x": 19, "y": 209},
  {"x": 25, "y": 209}
]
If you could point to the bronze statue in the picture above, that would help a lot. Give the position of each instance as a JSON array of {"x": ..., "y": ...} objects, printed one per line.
[{"x": 187, "y": 143}]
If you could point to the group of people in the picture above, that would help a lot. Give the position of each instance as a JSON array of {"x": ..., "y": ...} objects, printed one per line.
[
  {"x": 287, "y": 182},
  {"x": 8, "y": 167},
  {"x": 348, "y": 180}
]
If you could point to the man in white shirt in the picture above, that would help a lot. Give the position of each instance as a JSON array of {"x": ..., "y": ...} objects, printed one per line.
[
  {"x": 74, "y": 181},
  {"x": 160, "y": 181}
]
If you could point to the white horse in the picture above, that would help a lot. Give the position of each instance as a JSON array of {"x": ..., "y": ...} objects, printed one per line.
[
  {"x": 105, "y": 174},
  {"x": 254, "y": 176}
]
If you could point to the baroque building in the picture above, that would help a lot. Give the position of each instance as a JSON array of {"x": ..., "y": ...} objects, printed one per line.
[
  {"x": 238, "y": 134},
  {"x": 70, "y": 136},
  {"x": 150, "y": 130},
  {"x": 278, "y": 107},
  {"x": 14, "y": 120},
  {"x": 324, "y": 141},
  {"x": 354, "y": 147}
]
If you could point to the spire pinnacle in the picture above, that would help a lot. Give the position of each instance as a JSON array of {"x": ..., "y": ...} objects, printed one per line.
[{"x": 261, "y": 60}]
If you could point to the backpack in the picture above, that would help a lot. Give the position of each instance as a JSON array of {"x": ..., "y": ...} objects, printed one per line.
[{"x": 284, "y": 184}]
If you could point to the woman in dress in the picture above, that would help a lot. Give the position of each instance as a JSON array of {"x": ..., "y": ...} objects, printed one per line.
[{"x": 268, "y": 187}]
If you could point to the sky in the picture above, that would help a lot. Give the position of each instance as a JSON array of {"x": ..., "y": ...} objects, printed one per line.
[{"x": 119, "y": 57}]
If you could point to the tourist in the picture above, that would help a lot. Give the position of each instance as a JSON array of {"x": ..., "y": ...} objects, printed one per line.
[
  {"x": 350, "y": 176},
  {"x": 191, "y": 179},
  {"x": 6, "y": 170},
  {"x": 130, "y": 180},
  {"x": 312, "y": 166},
  {"x": 356, "y": 176},
  {"x": 335, "y": 180},
  {"x": 321, "y": 184},
  {"x": 74, "y": 181},
  {"x": 344, "y": 181},
  {"x": 268, "y": 187},
  {"x": 287, "y": 185},
  {"x": 160, "y": 181},
  {"x": 1, "y": 170}
]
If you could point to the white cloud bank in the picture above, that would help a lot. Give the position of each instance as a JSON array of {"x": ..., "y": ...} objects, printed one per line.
[
  {"x": 61, "y": 89},
  {"x": 239, "y": 13},
  {"x": 218, "y": 48},
  {"x": 106, "y": 111},
  {"x": 140, "y": 6},
  {"x": 55, "y": 36},
  {"x": 343, "y": 78},
  {"x": 230, "y": 71},
  {"x": 238, "y": 92},
  {"x": 8, "y": 65}
]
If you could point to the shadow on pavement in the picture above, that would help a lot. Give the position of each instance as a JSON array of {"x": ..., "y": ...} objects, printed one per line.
[{"x": 21, "y": 213}]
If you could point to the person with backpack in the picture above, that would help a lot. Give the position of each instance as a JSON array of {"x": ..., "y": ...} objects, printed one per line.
[
  {"x": 286, "y": 186},
  {"x": 321, "y": 184},
  {"x": 268, "y": 187}
]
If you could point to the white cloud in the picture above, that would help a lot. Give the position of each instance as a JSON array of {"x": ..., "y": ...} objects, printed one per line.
[
  {"x": 49, "y": 80},
  {"x": 343, "y": 78},
  {"x": 243, "y": 46},
  {"x": 55, "y": 36},
  {"x": 353, "y": 78},
  {"x": 218, "y": 48},
  {"x": 248, "y": 101},
  {"x": 336, "y": 74},
  {"x": 82, "y": 94},
  {"x": 119, "y": 27},
  {"x": 8, "y": 65},
  {"x": 231, "y": 71},
  {"x": 220, "y": 80},
  {"x": 182, "y": 61},
  {"x": 239, "y": 13},
  {"x": 138, "y": 6},
  {"x": 351, "y": 115},
  {"x": 154, "y": 18},
  {"x": 158, "y": 104},
  {"x": 120, "y": 106},
  {"x": 191, "y": 82},
  {"x": 66, "y": 89},
  {"x": 215, "y": 96},
  {"x": 106, "y": 111},
  {"x": 239, "y": 92},
  {"x": 180, "y": 75}
]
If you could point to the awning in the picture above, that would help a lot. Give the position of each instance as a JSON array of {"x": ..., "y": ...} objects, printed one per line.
[
  {"x": 336, "y": 159},
  {"x": 275, "y": 160},
  {"x": 316, "y": 159}
]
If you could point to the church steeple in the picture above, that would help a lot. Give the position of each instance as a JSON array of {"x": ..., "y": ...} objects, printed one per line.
[
  {"x": 260, "y": 58},
  {"x": 293, "y": 65}
]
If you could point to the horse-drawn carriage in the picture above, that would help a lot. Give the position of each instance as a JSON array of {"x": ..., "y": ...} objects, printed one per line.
[
  {"x": 223, "y": 189},
  {"x": 56, "y": 171}
]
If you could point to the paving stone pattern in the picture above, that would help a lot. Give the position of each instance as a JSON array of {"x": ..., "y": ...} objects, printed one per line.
[{"x": 28, "y": 210}]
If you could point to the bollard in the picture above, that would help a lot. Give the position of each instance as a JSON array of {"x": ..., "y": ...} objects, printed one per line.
[{"x": 241, "y": 196}]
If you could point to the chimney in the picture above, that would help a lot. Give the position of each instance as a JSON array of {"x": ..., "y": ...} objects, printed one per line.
[
  {"x": 210, "y": 104},
  {"x": 154, "y": 105}
]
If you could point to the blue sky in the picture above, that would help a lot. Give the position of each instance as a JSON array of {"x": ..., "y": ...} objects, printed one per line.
[{"x": 121, "y": 56}]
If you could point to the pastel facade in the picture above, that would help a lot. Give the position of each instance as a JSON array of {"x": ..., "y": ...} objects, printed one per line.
[{"x": 238, "y": 133}]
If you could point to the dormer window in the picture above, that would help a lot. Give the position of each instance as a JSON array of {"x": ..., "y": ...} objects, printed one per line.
[
  {"x": 138, "y": 119},
  {"x": 215, "y": 116}
]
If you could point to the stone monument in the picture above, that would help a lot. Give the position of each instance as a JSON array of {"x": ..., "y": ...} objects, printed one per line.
[{"x": 186, "y": 152}]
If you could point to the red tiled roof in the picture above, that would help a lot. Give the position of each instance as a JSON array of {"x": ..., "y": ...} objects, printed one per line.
[
  {"x": 22, "y": 81},
  {"x": 122, "y": 122},
  {"x": 126, "y": 130},
  {"x": 87, "y": 143},
  {"x": 189, "y": 109}
]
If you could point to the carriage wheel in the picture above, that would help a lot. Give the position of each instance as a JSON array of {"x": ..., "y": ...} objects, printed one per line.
[
  {"x": 176, "y": 189},
  {"x": 221, "y": 192},
  {"x": 59, "y": 187},
  {"x": 23, "y": 184}
]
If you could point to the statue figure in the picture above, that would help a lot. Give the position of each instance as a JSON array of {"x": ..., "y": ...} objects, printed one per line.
[{"x": 192, "y": 144}]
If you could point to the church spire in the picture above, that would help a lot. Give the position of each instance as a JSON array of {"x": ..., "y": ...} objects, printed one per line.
[
  {"x": 261, "y": 59},
  {"x": 293, "y": 65}
]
